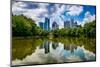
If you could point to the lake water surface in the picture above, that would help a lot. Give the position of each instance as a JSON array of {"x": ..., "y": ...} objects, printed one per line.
[{"x": 58, "y": 50}]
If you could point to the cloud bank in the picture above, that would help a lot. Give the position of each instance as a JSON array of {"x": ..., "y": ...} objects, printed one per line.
[{"x": 56, "y": 12}]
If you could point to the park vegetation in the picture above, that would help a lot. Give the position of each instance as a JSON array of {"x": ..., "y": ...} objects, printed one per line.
[{"x": 23, "y": 26}]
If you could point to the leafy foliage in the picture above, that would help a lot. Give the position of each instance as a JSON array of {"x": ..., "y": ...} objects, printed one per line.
[
  {"x": 89, "y": 30},
  {"x": 23, "y": 26}
]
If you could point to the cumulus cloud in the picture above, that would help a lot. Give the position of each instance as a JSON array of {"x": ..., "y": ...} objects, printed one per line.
[
  {"x": 88, "y": 18},
  {"x": 17, "y": 8},
  {"x": 56, "y": 16},
  {"x": 75, "y": 10},
  {"x": 53, "y": 11},
  {"x": 59, "y": 54},
  {"x": 34, "y": 13},
  {"x": 56, "y": 12},
  {"x": 69, "y": 10}
]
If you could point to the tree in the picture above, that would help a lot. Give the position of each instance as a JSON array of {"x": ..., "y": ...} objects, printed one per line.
[
  {"x": 90, "y": 29},
  {"x": 21, "y": 26}
]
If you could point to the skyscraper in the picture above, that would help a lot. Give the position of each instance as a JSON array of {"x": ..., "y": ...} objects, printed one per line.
[
  {"x": 47, "y": 24},
  {"x": 41, "y": 24},
  {"x": 67, "y": 24},
  {"x": 70, "y": 24},
  {"x": 55, "y": 26},
  {"x": 75, "y": 24}
]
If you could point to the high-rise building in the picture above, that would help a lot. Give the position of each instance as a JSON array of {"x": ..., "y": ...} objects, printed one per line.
[
  {"x": 70, "y": 24},
  {"x": 55, "y": 26},
  {"x": 75, "y": 24},
  {"x": 67, "y": 24},
  {"x": 47, "y": 24},
  {"x": 41, "y": 24}
]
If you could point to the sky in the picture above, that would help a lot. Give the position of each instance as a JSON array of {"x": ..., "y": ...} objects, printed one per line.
[{"x": 56, "y": 12}]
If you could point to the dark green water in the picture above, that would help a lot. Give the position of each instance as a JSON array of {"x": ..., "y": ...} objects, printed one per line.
[{"x": 58, "y": 50}]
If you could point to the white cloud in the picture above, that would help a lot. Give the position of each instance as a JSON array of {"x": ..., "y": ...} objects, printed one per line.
[
  {"x": 56, "y": 12},
  {"x": 88, "y": 18},
  {"x": 78, "y": 22},
  {"x": 72, "y": 10},
  {"x": 34, "y": 13},
  {"x": 17, "y": 9},
  {"x": 43, "y": 5},
  {"x": 75, "y": 10},
  {"x": 56, "y": 15}
]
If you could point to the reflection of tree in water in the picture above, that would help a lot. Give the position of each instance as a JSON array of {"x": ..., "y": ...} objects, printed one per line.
[
  {"x": 22, "y": 47},
  {"x": 89, "y": 43},
  {"x": 53, "y": 52},
  {"x": 46, "y": 46},
  {"x": 68, "y": 50}
]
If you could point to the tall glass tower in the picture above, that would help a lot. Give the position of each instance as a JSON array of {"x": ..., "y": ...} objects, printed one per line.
[
  {"x": 47, "y": 24},
  {"x": 41, "y": 24}
]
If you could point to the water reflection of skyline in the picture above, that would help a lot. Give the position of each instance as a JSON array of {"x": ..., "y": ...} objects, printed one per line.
[
  {"x": 46, "y": 46},
  {"x": 54, "y": 52}
]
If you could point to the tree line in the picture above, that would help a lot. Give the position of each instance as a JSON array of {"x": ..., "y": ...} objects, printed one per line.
[
  {"x": 89, "y": 30},
  {"x": 23, "y": 26}
]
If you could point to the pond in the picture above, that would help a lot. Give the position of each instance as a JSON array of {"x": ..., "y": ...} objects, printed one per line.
[{"x": 57, "y": 50}]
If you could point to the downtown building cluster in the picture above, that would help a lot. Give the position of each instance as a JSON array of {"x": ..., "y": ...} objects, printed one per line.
[{"x": 67, "y": 24}]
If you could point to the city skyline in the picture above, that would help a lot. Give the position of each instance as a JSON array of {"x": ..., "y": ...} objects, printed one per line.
[
  {"x": 56, "y": 12},
  {"x": 52, "y": 33},
  {"x": 67, "y": 24}
]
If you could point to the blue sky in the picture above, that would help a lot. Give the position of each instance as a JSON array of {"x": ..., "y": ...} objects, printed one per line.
[{"x": 56, "y": 12}]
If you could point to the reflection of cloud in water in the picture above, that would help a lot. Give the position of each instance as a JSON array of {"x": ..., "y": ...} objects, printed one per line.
[
  {"x": 33, "y": 58},
  {"x": 57, "y": 55}
]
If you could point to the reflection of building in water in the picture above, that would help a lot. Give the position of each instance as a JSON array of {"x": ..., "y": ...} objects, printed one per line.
[
  {"x": 46, "y": 47},
  {"x": 80, "y": 52},
  {"x": 66, "y": 47},
  {"x": 54, "y": 45},
  {"x": 76, "y": 51},
  {"x": 69, "y": 50},
  {"x": 70, "y": 47}
]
